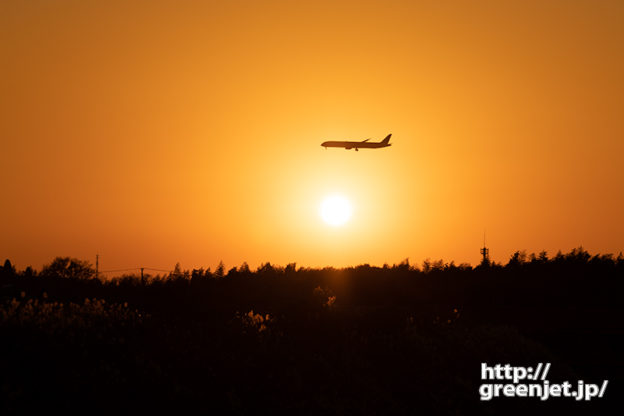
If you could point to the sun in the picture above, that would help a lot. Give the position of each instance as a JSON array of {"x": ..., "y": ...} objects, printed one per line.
[{"x": 336, "y": 210}]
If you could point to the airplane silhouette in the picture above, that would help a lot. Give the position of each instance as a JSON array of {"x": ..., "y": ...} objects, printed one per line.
[{"x": 355, "y": 145}]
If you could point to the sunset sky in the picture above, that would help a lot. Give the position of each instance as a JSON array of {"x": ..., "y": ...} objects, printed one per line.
[{"x": 155, "y": 132}]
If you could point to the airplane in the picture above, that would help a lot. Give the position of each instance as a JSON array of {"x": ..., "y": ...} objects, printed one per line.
[{"x": 355, "y": 145}]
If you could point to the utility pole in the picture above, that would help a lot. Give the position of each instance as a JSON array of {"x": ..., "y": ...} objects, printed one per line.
[
  {"x": 142, "y": 279},
  {"x": 97, "y": 258}
]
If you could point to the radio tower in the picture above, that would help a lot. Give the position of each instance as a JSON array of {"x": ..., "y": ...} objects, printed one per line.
[{"x": 486, "y": 253}]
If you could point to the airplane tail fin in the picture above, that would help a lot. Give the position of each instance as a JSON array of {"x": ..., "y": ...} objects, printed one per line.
[{"x": 386, "y": 140}]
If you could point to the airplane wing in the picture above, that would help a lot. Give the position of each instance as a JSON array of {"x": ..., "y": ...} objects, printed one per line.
[{"x": 364, "y": 141}]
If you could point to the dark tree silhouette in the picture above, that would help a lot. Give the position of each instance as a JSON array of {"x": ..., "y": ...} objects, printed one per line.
[
  {"x": 70, "y": 268},
  {"x": 366, "y": 340}
]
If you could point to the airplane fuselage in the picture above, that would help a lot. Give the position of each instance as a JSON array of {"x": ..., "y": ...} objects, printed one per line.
[
  {"x": 358, "y": 145},
  {"x": 354, "y": 145}
]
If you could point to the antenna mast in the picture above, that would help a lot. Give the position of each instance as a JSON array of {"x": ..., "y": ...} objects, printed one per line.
[{"x": 485, "y": 252}]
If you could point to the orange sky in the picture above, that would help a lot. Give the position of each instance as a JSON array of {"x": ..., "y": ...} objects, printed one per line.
[{"x": 153, "y": 132}]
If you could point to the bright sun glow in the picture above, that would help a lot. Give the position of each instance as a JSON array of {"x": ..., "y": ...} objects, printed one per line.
[{"x": 336, "y": 210}]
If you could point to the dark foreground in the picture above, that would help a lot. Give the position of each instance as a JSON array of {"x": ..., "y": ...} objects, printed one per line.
[{"x": 361, "y": 341}]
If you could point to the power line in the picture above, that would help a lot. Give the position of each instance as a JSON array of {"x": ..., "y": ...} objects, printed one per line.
[
  {"x": 134, "y": 268},
  {"x": 118, "y": 270}
]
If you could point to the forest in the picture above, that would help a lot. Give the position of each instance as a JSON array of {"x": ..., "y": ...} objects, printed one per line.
[{"x": 400, "y": 339}]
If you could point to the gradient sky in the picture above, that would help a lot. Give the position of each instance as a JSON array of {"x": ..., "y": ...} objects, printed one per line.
[{"x": 155, "y": 132}]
